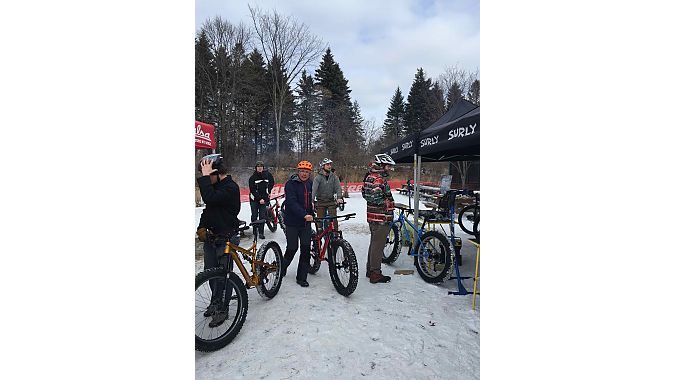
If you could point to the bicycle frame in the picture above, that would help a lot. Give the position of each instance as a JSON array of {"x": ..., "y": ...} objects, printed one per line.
[
  {"x": 274, "y": 210},
  {"x": 325, "y": 231},
  {"x": 418, "y": 231},
  {"x": 232, "y": 250}
]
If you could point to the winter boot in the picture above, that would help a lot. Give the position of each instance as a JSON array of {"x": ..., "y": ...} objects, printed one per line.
[{"x": 377, "y": 277}]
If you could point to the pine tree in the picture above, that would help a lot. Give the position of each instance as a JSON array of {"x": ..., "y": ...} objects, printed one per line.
[
  {"x": 419, "y": 111},
  {"x": 307, "y": 113},
  {"x": 393, "y": 127},
  {"x": 473, "y": 93},
  {"x": 204, "y": 73},
  {"x": 436, "y": 102},
  {"x": 336, "y": 114},
  {"x": 454, "y": 94}
]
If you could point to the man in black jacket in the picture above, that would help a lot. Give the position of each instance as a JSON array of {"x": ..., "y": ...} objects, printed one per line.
[
  {"x": 221, "y": 195},
  {"x": 261, "y": 183}
]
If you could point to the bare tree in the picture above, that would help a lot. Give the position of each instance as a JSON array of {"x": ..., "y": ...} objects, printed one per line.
[
  {"x": 462, "y": 77},
  {"x": 289, "y": 42},
  {"x": 463, "y": 168},
  {"x": 228, "y": 44}
]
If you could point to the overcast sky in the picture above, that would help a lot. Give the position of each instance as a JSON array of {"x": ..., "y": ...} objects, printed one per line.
[{"x": 379, "y": 45}]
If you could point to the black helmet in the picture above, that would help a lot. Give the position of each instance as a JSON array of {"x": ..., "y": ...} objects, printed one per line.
[{"x": 216, "y": 162}]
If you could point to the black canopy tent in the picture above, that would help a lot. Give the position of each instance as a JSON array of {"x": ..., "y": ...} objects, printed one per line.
[
  {"x": 403, "y": 150},
  {"x": 456, "y": 140},
  {"x": 454, "y": 137}
]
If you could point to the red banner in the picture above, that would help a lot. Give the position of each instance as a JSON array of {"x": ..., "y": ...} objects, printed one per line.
[
  {"x": 204, "y": 136},
  {"x": 352, "y": 187}
]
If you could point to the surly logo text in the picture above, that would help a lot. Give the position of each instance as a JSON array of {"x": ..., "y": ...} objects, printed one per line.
[
  {"x": 461, "y": 132},
  {"x": 429, "y": 141}
]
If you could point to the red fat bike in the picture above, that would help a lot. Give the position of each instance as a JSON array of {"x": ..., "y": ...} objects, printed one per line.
[
  {"x": 330, "y": 246},
  {"x": 274, "y": 216}
]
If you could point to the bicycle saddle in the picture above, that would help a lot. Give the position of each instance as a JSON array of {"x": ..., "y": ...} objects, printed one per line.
[{"x": 257, "y": 222}]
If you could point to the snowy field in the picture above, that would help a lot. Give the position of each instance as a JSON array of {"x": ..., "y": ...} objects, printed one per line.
[{"x": 400, "y": 330}]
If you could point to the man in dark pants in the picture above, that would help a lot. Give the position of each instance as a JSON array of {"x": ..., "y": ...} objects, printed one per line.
[
  {"x": 379, "y": 213},
  {"x": 298, "y": 211},
  {"x": 261, "y": 183},
  {"x": 221, "y": 195}
]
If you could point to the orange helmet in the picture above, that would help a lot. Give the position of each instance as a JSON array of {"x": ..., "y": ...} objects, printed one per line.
[{"x": 304, "y": 165}]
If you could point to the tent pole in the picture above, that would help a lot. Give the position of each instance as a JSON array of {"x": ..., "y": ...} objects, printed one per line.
[{"x": 416, "y": 168}]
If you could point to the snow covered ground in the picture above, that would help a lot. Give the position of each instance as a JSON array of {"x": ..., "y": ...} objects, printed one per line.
[{"x": 403, "y": 329}]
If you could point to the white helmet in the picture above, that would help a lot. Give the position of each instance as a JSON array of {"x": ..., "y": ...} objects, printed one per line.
[
  {"x": 384, "y": 159},
  {"x": 325, "y": 161}
]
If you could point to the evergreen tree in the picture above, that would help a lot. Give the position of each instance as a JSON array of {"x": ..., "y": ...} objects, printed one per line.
[
  {"x": 436, "y": 102},
  {"x": 336, "y": 114},
  {"x": 419, "y": 111},
  {"x": 454, "y": 94},
  {"x": 393, "y": 127},
  {"x": 204, "y": 73},
  {"x": 473, "y": 93},
  {"x": 307, "y": 113}
]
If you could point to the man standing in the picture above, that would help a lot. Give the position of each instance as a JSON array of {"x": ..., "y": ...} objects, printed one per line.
[
  {"x": 326, "y": 192},
  {"x": 221, "y": 195},
  {"x": 261, "y": 183},
  {"x": 379, "y": 213},
  {"x": 298, "y": 211}
]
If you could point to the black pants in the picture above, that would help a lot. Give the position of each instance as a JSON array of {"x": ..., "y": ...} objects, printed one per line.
[
  {"x": 258, "y": 211},
  {"x": 293, "y": 234},
  {"x": 213, "y": 257}
]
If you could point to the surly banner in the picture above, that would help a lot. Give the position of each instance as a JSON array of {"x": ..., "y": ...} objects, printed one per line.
[
  {"x": 405, "y": 145},
  {"x": 454, "y": 133}
]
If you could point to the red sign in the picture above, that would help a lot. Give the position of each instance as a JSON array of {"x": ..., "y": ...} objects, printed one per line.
[
  {"x": 204, "y": 136},
  {"x": 352, "y": 187}
]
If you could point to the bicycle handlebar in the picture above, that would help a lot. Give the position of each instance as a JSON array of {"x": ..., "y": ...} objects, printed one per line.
[
  {"x": 277, "y": 197},
  {"x": 346, "y": 216}
]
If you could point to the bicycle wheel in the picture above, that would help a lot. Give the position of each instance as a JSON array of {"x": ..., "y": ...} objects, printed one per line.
[
  {"x": 315, "y": 262},
  {"x": 475, "y": 227},
  {"x": 270, "y": 279},
  {"x": 343, "y": 267},
  {"x": 272, "y": 224},
  {"x": 466, "y": 218},
  {"x": 280, "y": 220},
  {"x": 392, "y": 245},
  {"x": 209, "y": 335},
  {"x": 433, "y": 258}
]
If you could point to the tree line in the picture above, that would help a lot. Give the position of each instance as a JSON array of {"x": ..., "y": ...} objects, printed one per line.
[{"x": 252, "y": 84}]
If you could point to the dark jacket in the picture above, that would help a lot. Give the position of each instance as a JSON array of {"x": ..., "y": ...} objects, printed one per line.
[
  {"x": 298, "y": 201},
  {"x": 222, "y": 205},
  {"x": 376, "y": 191},
  {"x": 260, "y": 186}
]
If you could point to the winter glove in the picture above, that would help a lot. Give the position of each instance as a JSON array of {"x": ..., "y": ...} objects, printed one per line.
[{"x": 202, "y": 234}]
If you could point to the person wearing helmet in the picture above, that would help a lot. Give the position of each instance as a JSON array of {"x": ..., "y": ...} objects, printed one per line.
[
  {"x": 379, "y": 213},
  {"x": 298, "y": 211},
  {"x": 261, "y": 183},
  {"x": 219, "y": 218},
  {"x": 326, "y": 192}
]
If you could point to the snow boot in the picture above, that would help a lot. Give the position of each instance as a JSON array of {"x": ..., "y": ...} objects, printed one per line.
[{"x": 377, "y": 277}]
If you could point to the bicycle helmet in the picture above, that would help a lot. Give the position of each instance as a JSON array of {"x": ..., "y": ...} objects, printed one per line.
[
  {"x": 325, "y": 161},
  {"x": 304, "y": 165},
  {"x": 384, "y": 159},
  {"x": 260, "y": 163},
  {"x": 216, "y": 162}
]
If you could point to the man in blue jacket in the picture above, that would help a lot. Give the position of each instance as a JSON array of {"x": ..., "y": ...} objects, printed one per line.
[{"x": 298, "y": 211}]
